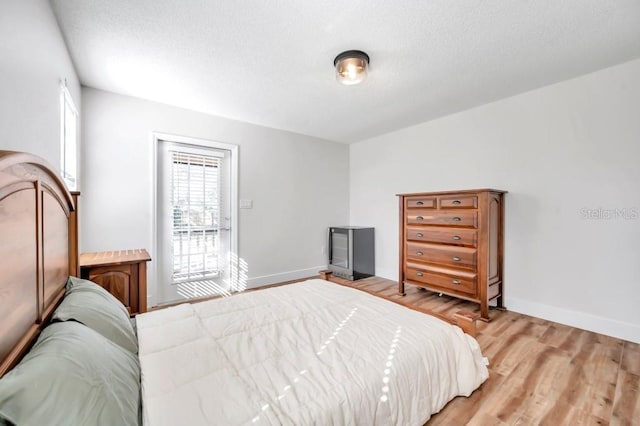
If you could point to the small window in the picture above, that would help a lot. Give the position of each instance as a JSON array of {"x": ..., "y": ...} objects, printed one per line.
[{"x": 68, "y": 138}]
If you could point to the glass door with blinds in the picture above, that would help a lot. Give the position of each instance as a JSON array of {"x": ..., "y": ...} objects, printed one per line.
[{"x": 194, "y": 221}]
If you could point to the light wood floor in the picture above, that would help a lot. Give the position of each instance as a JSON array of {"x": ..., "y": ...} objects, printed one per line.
[{"x": 541, "y": 372}]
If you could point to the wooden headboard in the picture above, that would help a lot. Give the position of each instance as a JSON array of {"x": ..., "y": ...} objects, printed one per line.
[{"x": 38, "y": 250}]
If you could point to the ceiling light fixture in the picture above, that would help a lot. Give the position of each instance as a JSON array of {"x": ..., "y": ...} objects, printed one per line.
[{"x": 351, "y": 67}]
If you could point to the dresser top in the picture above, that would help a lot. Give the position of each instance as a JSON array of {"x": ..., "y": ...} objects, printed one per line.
[
  {"x": 116, "y": 257},
  {"x": 463, "y": 191}
]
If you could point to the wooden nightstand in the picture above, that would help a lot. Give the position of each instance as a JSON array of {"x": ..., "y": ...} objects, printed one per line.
[{"x": 122, "y": 273}]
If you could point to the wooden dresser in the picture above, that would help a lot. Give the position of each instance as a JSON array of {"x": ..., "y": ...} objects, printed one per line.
[
  {"x": 452, "y": 242},
  {"x": 122, "y": 273}
]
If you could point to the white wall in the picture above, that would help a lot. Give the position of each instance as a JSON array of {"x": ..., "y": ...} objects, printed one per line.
[
  {"x": 298, "y": 184},
  {"x": 33, "y": 61},
  {"x": 557, "y": 150}
]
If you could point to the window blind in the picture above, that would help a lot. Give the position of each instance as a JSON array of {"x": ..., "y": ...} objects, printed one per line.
[
  {"x": 195, "y": 201},
  {"x": 68, "y": 138}
]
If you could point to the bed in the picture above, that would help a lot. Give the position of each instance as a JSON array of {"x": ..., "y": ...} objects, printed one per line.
[{"x": 305, "y": 353}]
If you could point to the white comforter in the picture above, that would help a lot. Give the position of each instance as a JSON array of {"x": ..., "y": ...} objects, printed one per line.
[{"x": 306, "y": 353}]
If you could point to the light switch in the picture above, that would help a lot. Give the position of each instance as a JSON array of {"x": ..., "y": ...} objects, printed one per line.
[{"x": 246, "y": 204}]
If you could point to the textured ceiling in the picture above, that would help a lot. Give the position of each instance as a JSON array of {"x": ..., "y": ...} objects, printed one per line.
[{"x": 271, "y": 62}]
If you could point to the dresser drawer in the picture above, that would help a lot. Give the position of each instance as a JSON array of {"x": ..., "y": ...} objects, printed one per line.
[
  {"x": 442, "y": 218},
  {"x": 459, "y": 202},
  {"x": 461, "y": 283},
  {"x": 463, "y": 257},
  {"x": 421, "y": 202},
  {"x": 432, "y": 234}
]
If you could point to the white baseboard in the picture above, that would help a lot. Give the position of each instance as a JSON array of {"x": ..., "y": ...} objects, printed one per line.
[
  {"x": 284, "y": 276},
  {"x": 585, "y": 321},
  {"x": 390, "y": 274},
  {"x": 607, "y": 326}
]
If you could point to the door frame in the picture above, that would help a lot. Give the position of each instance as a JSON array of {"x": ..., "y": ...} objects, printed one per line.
[{"x": 157, "y": 137}]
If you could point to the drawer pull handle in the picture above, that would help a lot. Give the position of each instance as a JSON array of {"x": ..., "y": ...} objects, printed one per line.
[
  {"x": 419, "y": 253},
  {"x": 456, "y": 219},
  {"x": 457, "y": 237},
  {"x": 456, "y": 258},
  {"x": 456, "y": 282},
  {"x": 455, "y": 202},
  {"x": 419, "y": 234},
  {"x": 420, "y": 203},
  {"x": 419, "y": 274},
  {"x": 419, "y": 218}
]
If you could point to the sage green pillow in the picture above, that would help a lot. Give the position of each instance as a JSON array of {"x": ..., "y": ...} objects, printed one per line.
[
  {"x": 93, "y": 306},
  {"x": 72, "y": 376}
]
